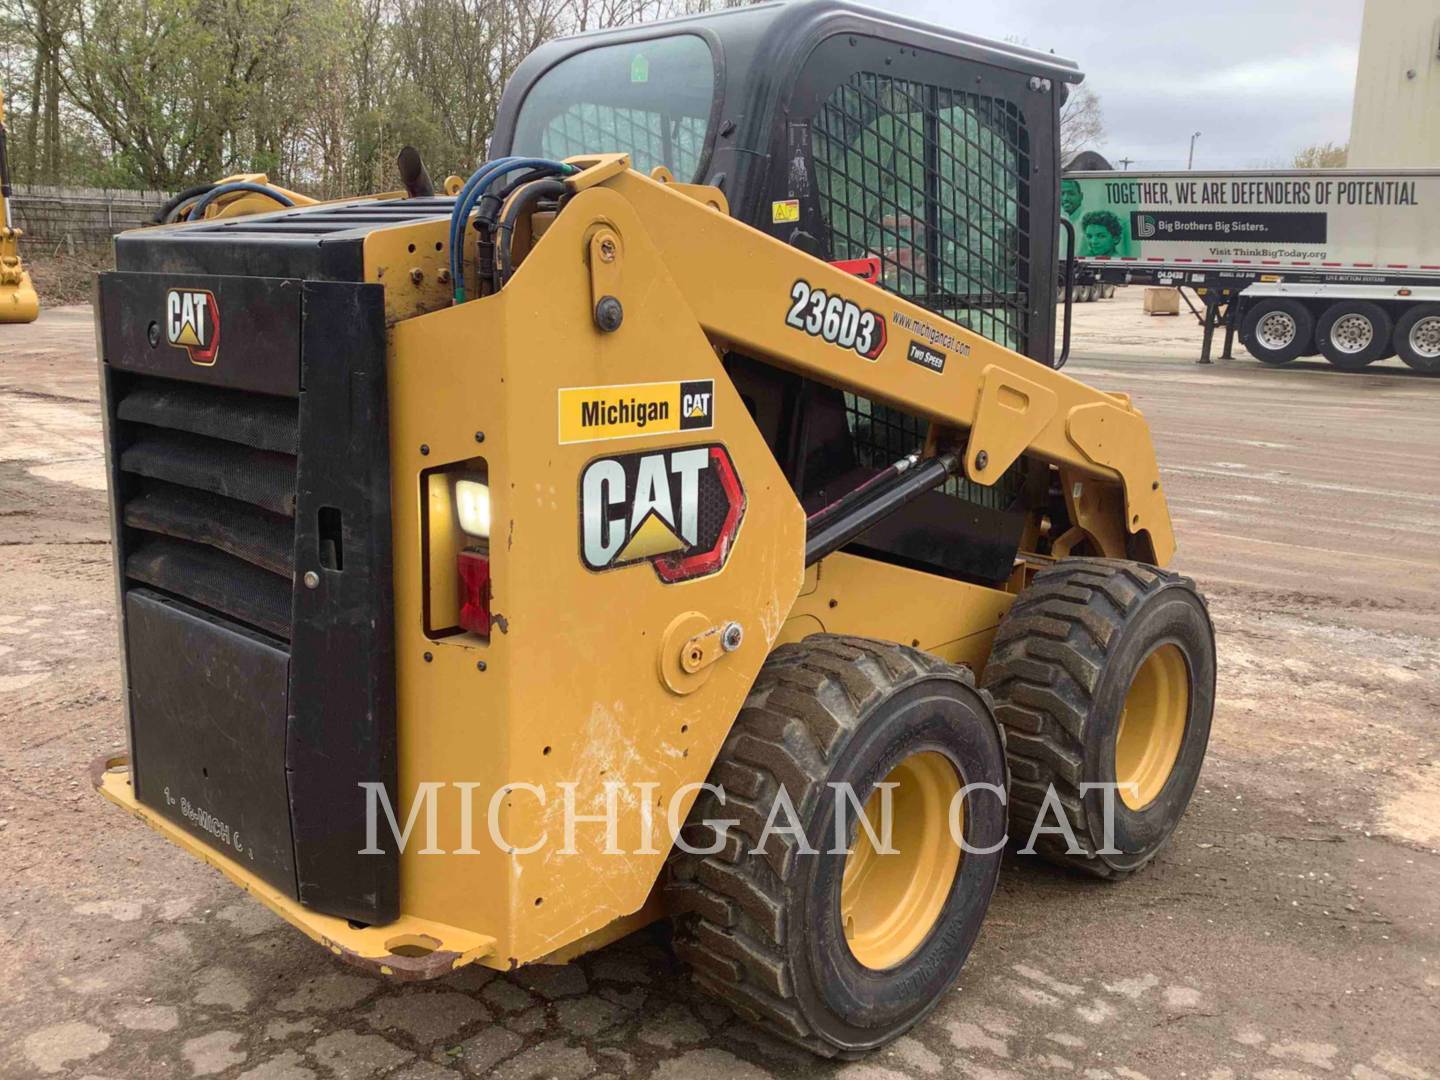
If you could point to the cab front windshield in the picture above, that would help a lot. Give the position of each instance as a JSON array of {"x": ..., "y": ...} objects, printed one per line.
[{"x": 649, "y": 99}]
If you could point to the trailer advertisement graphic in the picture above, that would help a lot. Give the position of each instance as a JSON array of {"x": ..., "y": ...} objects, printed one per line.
[{"x": 1333, "y": 218}]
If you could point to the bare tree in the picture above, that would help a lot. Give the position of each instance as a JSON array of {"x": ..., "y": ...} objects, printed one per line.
[
  {"x": 319, "y": 94},
  {"x": 1321, "y": 156},
  {"x": 42, "y": 26},
  {"x": 1082, "y": 124}
]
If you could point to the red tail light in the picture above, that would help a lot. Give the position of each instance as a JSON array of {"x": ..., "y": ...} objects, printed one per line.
[{"x": 474, "y": 570}]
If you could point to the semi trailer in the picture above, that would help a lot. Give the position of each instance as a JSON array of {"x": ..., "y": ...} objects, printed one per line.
[{"x": 1344, "y": 263}]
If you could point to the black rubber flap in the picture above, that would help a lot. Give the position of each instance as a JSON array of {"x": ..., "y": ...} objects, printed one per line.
[{"x": 209, "y": 708}]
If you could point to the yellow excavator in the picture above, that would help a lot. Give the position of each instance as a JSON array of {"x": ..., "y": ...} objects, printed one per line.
[
  {"x": 629, "y": 533},
  {"x": 19, "y": 302}
]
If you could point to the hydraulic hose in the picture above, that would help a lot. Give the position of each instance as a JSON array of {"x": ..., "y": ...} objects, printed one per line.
[
  {"x": 169, "y": 213},
  {"x": 519, "y": 203},
  {"x": 868, "y": 489},
  {"x": 834, "y": 531},
  {"x": 487, "y": 209},
  {"x": 457, "y": 221},
  {"x": 198, "y": 210},
  {"x": 470, "y": 195}
]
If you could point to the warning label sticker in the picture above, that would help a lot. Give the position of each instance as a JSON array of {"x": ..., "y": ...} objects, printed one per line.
[{"x": 784, "y": 210}]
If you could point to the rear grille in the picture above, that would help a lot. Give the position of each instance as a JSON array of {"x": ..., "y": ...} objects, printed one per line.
[
  {"x": 258, "y": 536},
  {"x": 208, "y": 497}
]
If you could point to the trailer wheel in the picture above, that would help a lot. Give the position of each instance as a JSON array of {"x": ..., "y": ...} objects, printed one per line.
[
  {"x": 1353, "y": 333},
  {"x": 842, "y": 952},
  {"x": 1417, "y": 338},
  {"x": 1103, "y": 673},
  {"x": 1277, "y": 331}
]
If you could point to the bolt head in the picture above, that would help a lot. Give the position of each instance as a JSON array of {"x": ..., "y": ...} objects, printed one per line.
[
  {"x": 417, "y": 275},
  {"x": 609, "y": 314},
  {"x": 982, "y": 459},
  {"x": 607, "y": 250},
  {"x": 311, "y": 579},
  {"x": 732, "y": 636}
]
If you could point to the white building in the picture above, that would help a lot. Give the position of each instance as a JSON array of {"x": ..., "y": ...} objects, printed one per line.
[{"x": 1396, "y": 118}]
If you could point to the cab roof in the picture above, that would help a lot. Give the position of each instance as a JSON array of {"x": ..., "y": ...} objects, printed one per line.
[{"x": 758, "y": 49}]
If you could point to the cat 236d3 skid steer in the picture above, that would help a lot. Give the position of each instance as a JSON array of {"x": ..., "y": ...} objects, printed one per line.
[{"x": 710, "y": 431}]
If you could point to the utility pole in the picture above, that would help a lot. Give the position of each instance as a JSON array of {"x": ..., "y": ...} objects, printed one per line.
[
  {"x": 1125, "y": 162},
  {"x": 1191, "y": 163}
]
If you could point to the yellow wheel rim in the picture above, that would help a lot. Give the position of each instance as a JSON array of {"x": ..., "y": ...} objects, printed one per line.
[
  {"x": 1152, "y": 726},
  {"x": 889, "y": 902}
]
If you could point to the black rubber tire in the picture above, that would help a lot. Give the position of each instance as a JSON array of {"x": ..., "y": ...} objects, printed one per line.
[
  {"x": 1382, "y": 331},
  {"x": 1426, "y": 365},
  {"x": 1304, "y": 331},
  {"x": 762, "y": 931},
  {"x": 1059, "y": 671}
]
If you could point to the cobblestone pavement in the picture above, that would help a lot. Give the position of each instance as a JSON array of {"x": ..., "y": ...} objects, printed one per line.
[{"x": 1288, "y": 932}]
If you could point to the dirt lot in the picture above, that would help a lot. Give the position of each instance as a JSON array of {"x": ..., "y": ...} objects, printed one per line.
[{"x": 1289, "y": 931}]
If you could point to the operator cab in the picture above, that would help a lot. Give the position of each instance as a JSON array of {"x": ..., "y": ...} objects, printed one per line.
[{"x": 921, "y": 158}]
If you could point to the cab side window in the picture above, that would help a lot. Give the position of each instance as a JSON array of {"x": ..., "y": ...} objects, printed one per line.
[{"x": 936, "y": 183}]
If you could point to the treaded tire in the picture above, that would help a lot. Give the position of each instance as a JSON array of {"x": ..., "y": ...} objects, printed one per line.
[
  {"x": 762, "y": 931},
  {"x": 1381, "y": 330},
  {"x": 1061, "y": 666},
  {"x": 1304, "y": 331},
  {"x": 1405, "y": 348}
]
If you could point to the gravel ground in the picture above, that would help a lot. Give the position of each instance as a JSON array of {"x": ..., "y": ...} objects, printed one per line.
[{"x": 1289, "y": 931}]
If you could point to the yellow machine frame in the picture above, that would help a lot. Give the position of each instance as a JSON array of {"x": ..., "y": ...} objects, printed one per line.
[
  {"x": 19, "y": 303},
  {"x": 583, "y": 681}
]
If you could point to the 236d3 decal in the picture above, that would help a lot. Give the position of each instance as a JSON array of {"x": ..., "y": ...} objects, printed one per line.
[
  {"x": 836, "y": 320},
  {"x": 678, "y": 509}
]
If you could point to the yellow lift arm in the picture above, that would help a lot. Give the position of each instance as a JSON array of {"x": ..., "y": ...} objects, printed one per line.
[{"x": 745, "y": 288}]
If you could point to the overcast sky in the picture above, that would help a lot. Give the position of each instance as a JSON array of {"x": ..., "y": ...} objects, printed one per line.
[{"x": 1259, "y": 79}]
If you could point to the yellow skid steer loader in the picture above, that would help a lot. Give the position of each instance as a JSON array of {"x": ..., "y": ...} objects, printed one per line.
[{"x": 681, "y": 519}]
